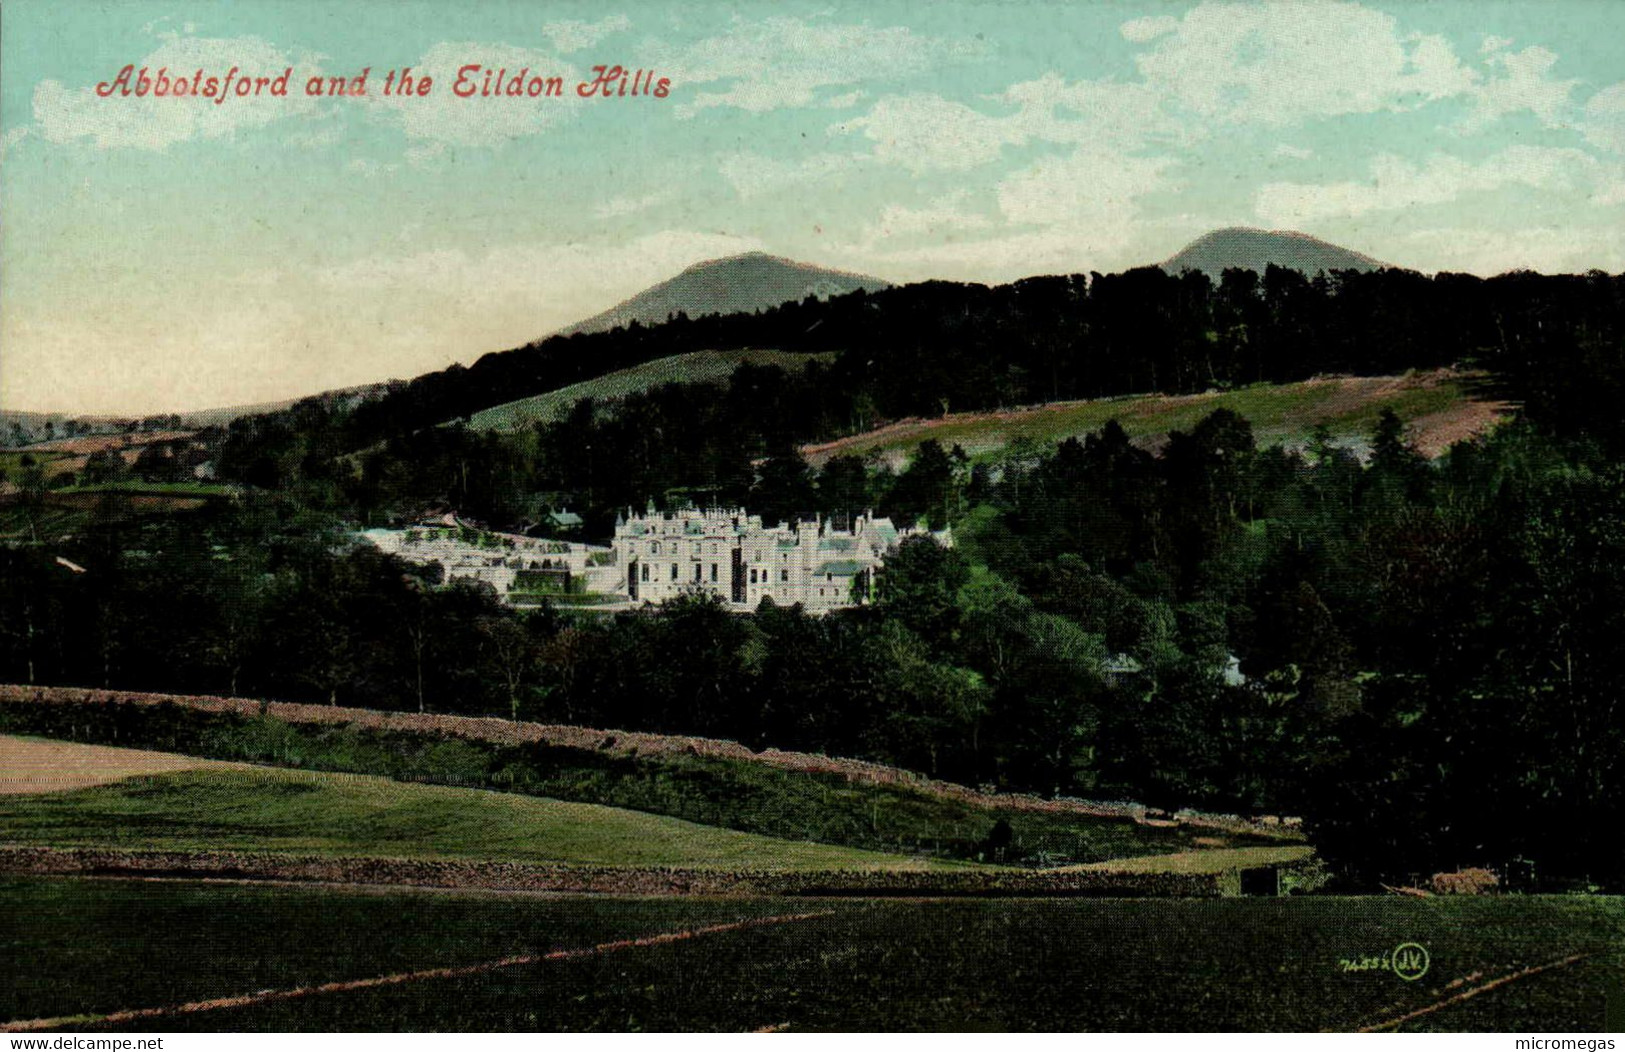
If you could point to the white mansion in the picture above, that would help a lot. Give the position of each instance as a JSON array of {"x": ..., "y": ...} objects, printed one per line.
[
  {"x": 731, "y": 554},
  {"x": 655, "y": 556}
]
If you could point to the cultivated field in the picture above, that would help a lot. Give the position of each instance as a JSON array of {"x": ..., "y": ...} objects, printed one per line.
[
  {"x": 180, "y": 955},
  {"x": 694, "y": 368},
  {"x": 1439, "y": 406}
]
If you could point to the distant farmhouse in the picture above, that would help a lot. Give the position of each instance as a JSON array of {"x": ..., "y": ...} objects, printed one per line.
[{"x": 656, "y": 556}]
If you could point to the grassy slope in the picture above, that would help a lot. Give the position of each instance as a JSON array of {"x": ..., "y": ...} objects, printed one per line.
[
  {"x": 1216, "y": 860},
  {"x": 338, "y": 814},
  {"x": 731, "y": 793},
  {"x": 1237, "y": 964},
  {"x": 696, "y": 367},
  {"x": 1285, "y": 413}
]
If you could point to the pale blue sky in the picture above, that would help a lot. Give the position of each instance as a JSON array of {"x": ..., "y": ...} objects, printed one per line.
[{"x": 170, "y": 253}]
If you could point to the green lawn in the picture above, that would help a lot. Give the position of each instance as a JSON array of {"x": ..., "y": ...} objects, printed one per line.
[
  {"x": 157, "y": 489},
  {"x": 11, "y": 460},
  {"x": 1214, "y": 860},
  {"x": 89, "y": 946},
  {"x": 341, "y": 814},
  {"x": 695, "y": 367}
]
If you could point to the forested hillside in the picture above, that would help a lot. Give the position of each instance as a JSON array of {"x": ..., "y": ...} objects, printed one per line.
[{"x": 1419, "y": 656}]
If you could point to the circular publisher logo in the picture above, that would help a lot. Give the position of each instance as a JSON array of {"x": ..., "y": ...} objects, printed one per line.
[{"x": 1410, "y": 961}]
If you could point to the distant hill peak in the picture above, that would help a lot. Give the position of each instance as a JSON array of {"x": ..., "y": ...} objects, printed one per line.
[
  {"x": 1248, "y": 248},
  {"x": 747, "y": 282}
]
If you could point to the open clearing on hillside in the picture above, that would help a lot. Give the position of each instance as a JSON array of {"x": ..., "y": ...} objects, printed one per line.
[
  {"x": 35, "y": 765},
  {"x": 1215, "y": 860},
  {"x": 1509, "y": 963},
  {"x": 249, "y": 809},
  {"x": 1439, "y": 407},
  {"x": 694, "y": 368}
]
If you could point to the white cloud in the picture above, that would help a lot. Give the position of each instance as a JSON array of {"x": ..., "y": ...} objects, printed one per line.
[
  {"x": 922, "y": 132},
  {"x": 944, "y": 216},
  {"x": 616, "y": 207},
  {"x": 1519, "y": 81},
  {"x": 928, "y": 131},
  {"x": 1093, "y": 190},
  {"x": 1396, "y": 183},
  {"x": 1061, "y": 214},
  {"x": 1604, "y": 123},
  {"x": 9, "y": 141},
  {"x": 421, "y": 154},
  {"x": 72, "y": 114},
  {"x": 571, "y": 35},
  {"x": 1093, "y": 112},
  {"x": 323, "y": 130},
  {"x": 1281, "y": 63},
  {"x": 754, "y": 175},
  {"x": 782, "y": 62},
  {"x": 1083, "y": 201},
  {"x": 368, "y": 168},
  {"x": 1479, "y": 250},
  {"x": 1293, "y": 153},
  {"x": 1145, "y": 30}
]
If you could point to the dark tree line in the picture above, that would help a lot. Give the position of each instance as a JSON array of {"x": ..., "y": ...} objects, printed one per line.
[
  {"x": 917, "y": 350},
  {"x": 1420, "y": 658}
]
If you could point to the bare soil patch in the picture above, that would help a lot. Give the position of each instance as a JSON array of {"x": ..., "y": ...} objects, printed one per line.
[{"x": 32, "y": 765}]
